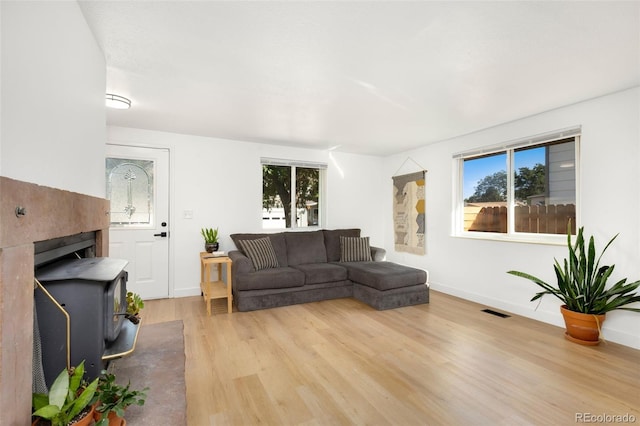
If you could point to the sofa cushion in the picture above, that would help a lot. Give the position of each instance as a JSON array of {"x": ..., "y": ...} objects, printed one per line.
[
  {"x": 305, "y": 247},
  {"x": 277, "y": 241},
  {"x": 316, "y": 273},
  {"x": 332, "y": 241},
  {"x": 384, "y": 275},
  {"x": 354, "y": 249},
  {"x": 269, "y": 278},
  {"x": 261, "y": 253}
]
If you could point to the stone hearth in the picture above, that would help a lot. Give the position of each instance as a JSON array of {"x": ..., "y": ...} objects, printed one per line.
[{"x": 48, "y": 213}]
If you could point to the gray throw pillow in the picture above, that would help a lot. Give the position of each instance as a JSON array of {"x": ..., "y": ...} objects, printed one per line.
[
  {"x": 354, "y": 249},
  {"x": 261, "y": 253}
]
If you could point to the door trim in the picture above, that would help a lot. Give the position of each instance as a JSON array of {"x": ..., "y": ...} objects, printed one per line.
[{"x": 171, "y": 218}]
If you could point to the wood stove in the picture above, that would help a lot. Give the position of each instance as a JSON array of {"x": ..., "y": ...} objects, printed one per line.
[{"x": 80, "y": 307}]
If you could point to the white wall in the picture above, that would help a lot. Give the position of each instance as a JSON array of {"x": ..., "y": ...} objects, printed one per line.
[
  {"x": 221, "y": 182},
  {"x": 52, "y": 104},
  {"x": 609, "y": 203}
]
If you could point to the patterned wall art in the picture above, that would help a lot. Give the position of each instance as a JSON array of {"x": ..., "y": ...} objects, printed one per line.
[{"x": 409, "y": 223}]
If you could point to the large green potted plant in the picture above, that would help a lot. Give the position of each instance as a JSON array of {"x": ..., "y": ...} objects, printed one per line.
[
  {"x": 69, "y": 399},
  {"x": 582, "y": 288},
  {"x": 210, "y": 236},
  {"x": 112, "y": 400}
]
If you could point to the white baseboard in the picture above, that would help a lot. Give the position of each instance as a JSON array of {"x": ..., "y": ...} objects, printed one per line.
[
  {"x": 610, "y": 335},
  {"x": 186, "y": 292}
]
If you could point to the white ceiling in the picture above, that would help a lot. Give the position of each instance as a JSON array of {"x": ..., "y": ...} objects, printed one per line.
[{"x": 365, "y": 77}]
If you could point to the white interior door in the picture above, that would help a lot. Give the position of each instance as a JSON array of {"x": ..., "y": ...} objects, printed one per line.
[{"x": 138, "y": 187}]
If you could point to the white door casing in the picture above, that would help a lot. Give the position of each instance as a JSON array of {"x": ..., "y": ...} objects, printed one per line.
[{"x": 140, "y": 224}]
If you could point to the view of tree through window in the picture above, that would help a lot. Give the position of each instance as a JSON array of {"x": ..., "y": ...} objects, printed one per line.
[
  {"x": 544, "y": 189},
  {"x": 277, "y": 208},
  {"x": 487, "y": 176}
]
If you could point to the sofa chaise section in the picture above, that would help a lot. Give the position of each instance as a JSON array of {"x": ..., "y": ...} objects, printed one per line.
[{"x": 387, "y": 285}]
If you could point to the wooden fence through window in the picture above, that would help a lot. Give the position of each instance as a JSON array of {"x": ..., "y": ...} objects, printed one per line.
[{"x": 551, "y": 219}]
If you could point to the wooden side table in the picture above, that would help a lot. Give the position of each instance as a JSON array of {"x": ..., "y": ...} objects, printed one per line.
[{"x": 215, "y": 289}]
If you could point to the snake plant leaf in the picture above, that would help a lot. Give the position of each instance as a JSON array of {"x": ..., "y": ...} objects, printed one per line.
[
  {"x": 59, "y": 389},
  {"x": 581, "y": 282},
  {"x": 84, "y": 399},
  {"x": 39, "y": 400},
  {"x": 47, "y": 412},
  {"x": 210, "y": 235},
  {"x": 76, "y": 377},
  {"x": 63, "y": 402}
]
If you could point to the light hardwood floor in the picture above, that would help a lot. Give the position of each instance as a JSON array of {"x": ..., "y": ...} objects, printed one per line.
[{"x": 342, "y": 362}]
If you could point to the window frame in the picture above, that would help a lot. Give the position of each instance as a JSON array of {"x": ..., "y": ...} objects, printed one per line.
[
  {"x": 322, "y": 177},
  {"x": 509, "y": 148}
]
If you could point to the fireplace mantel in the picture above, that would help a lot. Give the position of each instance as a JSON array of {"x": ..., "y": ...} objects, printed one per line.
[{"x": 31, "y": 213}]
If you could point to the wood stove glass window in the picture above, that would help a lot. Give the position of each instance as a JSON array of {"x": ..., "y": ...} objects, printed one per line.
[{"x": 130, "y": 190}]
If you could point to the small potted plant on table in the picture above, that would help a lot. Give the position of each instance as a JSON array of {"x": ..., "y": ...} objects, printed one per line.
[
  {"x": 210, "y": 236},
  {"x": 581, "y": 286}
]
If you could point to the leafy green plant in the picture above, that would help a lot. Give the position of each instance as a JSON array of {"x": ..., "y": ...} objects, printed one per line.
[
  {"x": 581, "y": 281},
  {"x": 134, "y": 303},
  {"x": 210, "y": 235},
  {"x": 115, "y": 398},
  {"x": 69, "y": 396}
]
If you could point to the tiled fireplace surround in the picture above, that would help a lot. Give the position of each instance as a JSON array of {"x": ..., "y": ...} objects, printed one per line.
[{"x": 48, "y": 213}]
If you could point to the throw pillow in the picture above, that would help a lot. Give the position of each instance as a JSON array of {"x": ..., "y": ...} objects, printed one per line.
[
  {"x": 261, "y": 253},
  {"x": 355, "y": 249}
]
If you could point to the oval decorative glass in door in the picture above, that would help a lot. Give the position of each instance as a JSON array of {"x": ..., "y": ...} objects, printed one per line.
[{"x": 130, "y": 190}]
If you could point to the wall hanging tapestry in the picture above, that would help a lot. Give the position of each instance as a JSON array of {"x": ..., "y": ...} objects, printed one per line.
[{"x": 409, "y": 212}]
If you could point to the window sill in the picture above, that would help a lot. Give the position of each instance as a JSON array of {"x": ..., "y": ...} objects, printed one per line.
[
  {"x": 547, "y": 239},
  {"x": 296, "y": 229}
]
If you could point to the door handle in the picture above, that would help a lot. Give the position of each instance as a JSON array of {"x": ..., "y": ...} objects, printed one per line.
[{"x": 162, "y": 234}]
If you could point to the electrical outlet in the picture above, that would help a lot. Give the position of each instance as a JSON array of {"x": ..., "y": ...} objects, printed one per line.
[{"x": 188, "y": 214}]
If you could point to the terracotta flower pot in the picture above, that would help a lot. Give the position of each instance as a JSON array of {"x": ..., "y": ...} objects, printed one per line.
[
  {"x": 114, "y": 419},
  {"x": 84, "y": 421},
  {"x": 582, "y": 328},
  {"x": 87, "y": 419}
]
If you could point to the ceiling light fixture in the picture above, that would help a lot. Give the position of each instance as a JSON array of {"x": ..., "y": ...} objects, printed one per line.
[{"x": 118, "y": 102}]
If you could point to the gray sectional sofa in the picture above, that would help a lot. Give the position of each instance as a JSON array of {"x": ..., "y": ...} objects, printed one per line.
[{"x": 300, "y": 267}]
